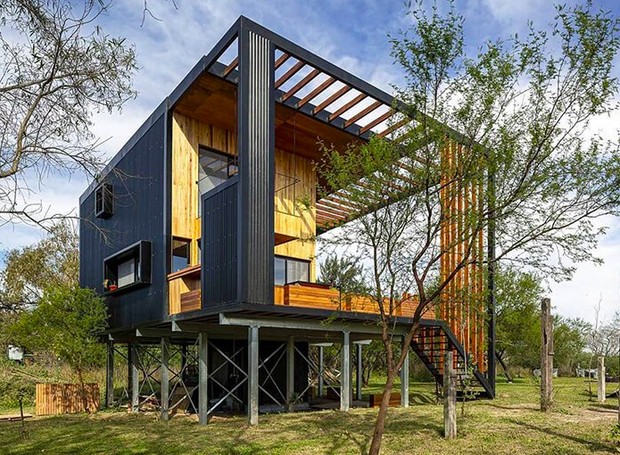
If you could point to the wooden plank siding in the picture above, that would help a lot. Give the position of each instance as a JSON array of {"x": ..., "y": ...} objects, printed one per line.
[{"x": 54, "y": 399}]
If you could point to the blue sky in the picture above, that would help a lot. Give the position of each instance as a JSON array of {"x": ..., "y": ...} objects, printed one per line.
[{"x": 353, "y": 35}]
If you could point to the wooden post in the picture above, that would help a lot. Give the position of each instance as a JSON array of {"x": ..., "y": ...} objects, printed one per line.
[
  {"x": 546, "y": 356},
  {"x": 601, "y": 380},
  {"x": 449, "y": 394}
]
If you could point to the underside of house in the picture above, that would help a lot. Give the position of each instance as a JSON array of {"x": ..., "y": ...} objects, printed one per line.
[{"x": 196, "y": 236}]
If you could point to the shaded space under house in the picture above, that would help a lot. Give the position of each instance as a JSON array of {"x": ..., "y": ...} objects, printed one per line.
[{"x": 194, "y": 236}]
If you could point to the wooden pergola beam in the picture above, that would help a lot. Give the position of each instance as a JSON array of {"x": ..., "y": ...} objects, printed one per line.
[
  {"x": 290, "y": 73},
  {"x": 376, "y": 121},
  {"x": 281, "y": 60},
  {"x": 301, "y": 84},
  {"x": 363, "y": 113},
  {"x": 347, "y": 106},
  {"x": 316, "y": 92},
  {"x": 231, "y": 66},
  {"x": 331, "y": 99},
  {"x": 394, "y": 127}
]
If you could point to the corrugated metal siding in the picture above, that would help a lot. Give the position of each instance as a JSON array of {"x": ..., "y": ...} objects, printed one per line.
[
  {"x": 138, "y": 180},
  {"x": 256, "y": 169},
  {"x": 219, "y": 246}
]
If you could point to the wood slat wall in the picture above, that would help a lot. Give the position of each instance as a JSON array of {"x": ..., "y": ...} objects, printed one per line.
[
  {"x": 53, "y": 399},
  {"x": 462, "y": 242}
]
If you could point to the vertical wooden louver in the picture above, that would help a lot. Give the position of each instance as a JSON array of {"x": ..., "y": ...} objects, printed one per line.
[{"x": 462, "y": 245}]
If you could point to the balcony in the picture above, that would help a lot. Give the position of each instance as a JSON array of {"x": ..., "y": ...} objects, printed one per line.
[{"x": 185, "y": 296}]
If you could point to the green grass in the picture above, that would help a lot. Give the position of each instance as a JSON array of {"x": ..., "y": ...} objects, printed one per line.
[{"x": 511, "y": 424}]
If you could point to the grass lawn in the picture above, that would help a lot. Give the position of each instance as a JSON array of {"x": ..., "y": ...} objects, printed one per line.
[{"x": 511, "y": 424}]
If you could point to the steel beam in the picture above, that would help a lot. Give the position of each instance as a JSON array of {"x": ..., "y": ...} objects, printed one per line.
[
  {"x": 345, "y": 372},
  {"x": 253, "y": 375},
  {"x": 109, "y": 377},
  {"x": 203, "y": 375},
  {"x": 164, "y": 400},
  {"x": 285, "y": 323},
  {"x": 404, "y": 380},
  {"x": 290, "y": 369}
]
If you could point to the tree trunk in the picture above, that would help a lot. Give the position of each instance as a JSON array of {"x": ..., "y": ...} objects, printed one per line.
[
  {"x": 504, "y": 366},
  {"x": 375, "y": 445}
]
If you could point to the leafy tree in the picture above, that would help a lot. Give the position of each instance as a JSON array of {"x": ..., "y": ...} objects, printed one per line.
[
  {"x": 518, "y": 111},
  {"x": 59, "y": 68},
  {"x": 65, "y": 323},
  {"x": 518, "y": 297},
  {"x": 28, "y": 271},
  {"x": 569, "y": 343}
]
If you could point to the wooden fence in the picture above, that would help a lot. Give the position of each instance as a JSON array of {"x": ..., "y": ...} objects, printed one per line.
[{"x": 52, "y": 399}]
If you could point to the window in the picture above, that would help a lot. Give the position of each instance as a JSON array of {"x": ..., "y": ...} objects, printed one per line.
[
  {"x": 128, "y": 268},
  {"x": 214, "y": 168},
  {"x": 288, "y": 270},
  {"x": 104, "y": 201},
  {"x": 180, "y": 254}
]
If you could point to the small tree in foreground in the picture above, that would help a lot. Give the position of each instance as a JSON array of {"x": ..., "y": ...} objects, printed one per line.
[
  {"x": 496, "y": 143},
  {"x": 65, "y": 323}
]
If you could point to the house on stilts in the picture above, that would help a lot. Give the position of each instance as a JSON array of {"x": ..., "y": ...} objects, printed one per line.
[{"x": 193, "y": 235}]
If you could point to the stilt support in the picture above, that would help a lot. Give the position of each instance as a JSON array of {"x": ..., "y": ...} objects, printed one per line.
[
  {"x": 345, "y": 372},
  {"x": 358, "y": 373},
  {"x": 135, "y": 378},
  {"x": 165, "y": 378},
  {"x": 321, "y": 371},
  {"x": 290, "y": 371},
  {"x": 109, "y": 377},
  {"x": 404, "y": 380},
  {"x": 253, "y": 375},
  {"x": 203, "y": 374}
]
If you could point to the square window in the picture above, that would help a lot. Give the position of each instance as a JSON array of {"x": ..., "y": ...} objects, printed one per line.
[
  {"x": 104, "y": 201},
  {"x": 126, "y": 272}
]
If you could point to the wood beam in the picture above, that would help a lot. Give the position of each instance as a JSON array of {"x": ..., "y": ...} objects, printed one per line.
[
  {"x": 347, "y": 106},
  {"x": 290, "y": 73},
  {"x": 363, "y": 113},
  {"x": 331, "y": 99},
  {"x": 301, "y": 84},
  {"x": 394, "y": 127},
  {"x": 316, "y": 92},
  {"x": 376, "y": 121},
  {"x": 231, "y": 67},
  {"x": 281, "y": 60}
]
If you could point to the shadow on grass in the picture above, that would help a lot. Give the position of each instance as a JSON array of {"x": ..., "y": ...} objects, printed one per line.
[{"x": 590, "y": 445}]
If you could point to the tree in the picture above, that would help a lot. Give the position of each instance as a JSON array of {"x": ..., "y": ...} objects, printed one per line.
[
  {"x": 494, "y": 142},
  {"x": 518, "y": 296},
  {"x": 29, "y": 271},
  {"x": 59, "y": 68},
  {"x": 66, "y": 323}
]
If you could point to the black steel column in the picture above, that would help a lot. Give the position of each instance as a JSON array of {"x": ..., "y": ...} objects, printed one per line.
[{"x": 109, "y": 377}]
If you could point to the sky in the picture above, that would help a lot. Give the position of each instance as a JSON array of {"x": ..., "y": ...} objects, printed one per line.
[{"x": 353, "y": 34}]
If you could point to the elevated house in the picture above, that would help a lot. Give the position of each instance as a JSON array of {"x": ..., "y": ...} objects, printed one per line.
[{"x": 194, "y": 235}]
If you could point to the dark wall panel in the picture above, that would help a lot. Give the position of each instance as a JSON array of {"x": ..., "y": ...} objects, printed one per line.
[
  {"x": 219, "y": 245},
  {"x": 138, "y": 214}
]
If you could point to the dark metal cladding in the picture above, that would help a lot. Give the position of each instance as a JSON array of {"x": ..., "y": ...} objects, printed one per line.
[
  {"x": 219, "y": 245},
  {"x": 256, "y": 168},
  {"x": 138, "y": 181}
]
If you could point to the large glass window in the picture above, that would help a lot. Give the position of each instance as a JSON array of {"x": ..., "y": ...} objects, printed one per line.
[
  {"x": 180, "y": 254},
  {"x": 288, "y": 270},
  {"x": 214, "y": 168}
]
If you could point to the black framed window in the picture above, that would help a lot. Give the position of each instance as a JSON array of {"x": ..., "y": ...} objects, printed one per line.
[
  {"x": 214, "y": 168},
  {"x": 289, "y": 270},
  {"x": 180, "y": 254},
  {"x": 128, "y": 268},
  {"x": 104, "y": 201}
]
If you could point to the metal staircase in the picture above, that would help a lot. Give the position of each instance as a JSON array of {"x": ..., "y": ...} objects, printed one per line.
[{"x": 430, "y": 343}]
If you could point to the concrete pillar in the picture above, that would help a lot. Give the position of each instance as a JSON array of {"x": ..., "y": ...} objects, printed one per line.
[
  {"x": 164, "y": 401},
  {"x": 109, "y": 376},
  {"x": 203, "y": 375},
  {"x": 321, "y": 372},
  {"x": 404, "y": 380},
  {"x": 601, "y": 380},
  {"x": 358, "y": 373},
  {"x": 290, "y": 370},
  {"x": 253, "y": 375},
  {"x": 135, "y": 377},
  {"x": 345, "y": 372}
]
